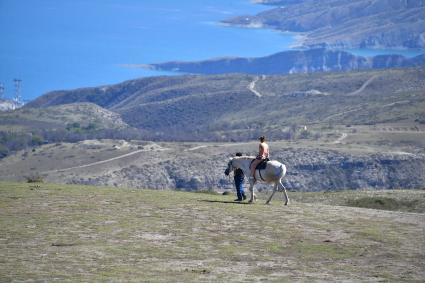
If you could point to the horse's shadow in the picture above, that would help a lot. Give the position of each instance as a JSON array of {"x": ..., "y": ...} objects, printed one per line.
[{"x": 223, "y": 201}]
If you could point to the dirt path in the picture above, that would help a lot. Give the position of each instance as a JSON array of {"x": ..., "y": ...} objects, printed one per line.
[
  {"x": 251, "y": 87},
  {"x": 342, "y": 113},
  {"x": 196, "y": 147},
  {"x": 396, "y": 103},
  {"x": 341, "y": 138},
  {"x": 214, "y": 145},
  {"x": 158, "y": 148},
  {"x": 366, "y": 83}
]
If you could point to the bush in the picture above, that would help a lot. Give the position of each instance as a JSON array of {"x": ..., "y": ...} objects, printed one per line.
[
  {"x": 3, "y": 151},
  {"x": 35, "y": 179},
  {"x": 37, "y": 140}
]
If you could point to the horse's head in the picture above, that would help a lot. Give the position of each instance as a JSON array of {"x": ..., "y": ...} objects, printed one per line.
[{"x": 229, "y": 167}]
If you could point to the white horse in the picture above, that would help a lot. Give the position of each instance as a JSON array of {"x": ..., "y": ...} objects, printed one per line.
[{"x": 273, "y": 173}]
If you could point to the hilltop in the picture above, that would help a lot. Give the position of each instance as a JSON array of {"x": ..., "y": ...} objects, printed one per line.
[
  {"x": 58, "y": 117},
  {"x": 80, "y": 233},
  {"x": 27, "y": 127},
  {"x": 344, "y": 23}
]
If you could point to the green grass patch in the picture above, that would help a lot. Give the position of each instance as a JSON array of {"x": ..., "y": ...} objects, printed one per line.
[
  {"x": 395, "y": 200},
  {"x": 384, "y": 203}
]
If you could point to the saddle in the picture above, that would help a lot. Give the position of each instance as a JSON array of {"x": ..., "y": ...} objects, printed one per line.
[{"x": 262, "y": 165}]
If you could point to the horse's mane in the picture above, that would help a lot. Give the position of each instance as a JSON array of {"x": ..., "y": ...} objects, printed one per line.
[{"x": 244, "y": 157}]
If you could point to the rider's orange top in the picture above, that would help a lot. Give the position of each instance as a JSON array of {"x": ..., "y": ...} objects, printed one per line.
[{"x": 264, "y": 151}]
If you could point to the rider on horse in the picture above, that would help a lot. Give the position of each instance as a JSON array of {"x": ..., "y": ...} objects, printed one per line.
[{"x": 262, "y": 155}]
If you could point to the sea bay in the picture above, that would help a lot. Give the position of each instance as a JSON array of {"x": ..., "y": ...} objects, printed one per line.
[{"x": 53, "y": 45}]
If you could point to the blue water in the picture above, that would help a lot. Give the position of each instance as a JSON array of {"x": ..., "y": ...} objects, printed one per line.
[
  {"x": 52, "y": 44},
  {"x": 64, "y": 44}
]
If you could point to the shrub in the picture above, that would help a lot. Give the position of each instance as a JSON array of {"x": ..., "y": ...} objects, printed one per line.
[
  {"x": 3, "y": 151},
  {"x": 35, "y": 179}
]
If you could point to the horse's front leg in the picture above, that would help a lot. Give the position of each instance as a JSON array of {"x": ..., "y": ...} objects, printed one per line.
[{"x": 251, "y": 190}]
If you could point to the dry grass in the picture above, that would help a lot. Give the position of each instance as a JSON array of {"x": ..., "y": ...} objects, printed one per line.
[{"x": 76, "y": 233}]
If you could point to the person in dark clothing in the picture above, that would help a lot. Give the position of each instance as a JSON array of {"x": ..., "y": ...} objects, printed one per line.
[{"x": 239, "y": 178}]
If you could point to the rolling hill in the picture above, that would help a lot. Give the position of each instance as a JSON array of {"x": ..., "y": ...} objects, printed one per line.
[
  {"x": 58, "y": 117},
  {"x": 28, "y": 127},
  {"x": 334, "y": 130},
  {"x": 240, "y": 107}
]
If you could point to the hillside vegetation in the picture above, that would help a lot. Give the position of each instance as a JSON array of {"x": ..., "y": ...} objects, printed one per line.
[
  {"x": 240, "y": 107},
  {"x": 58, "y": 117},
  {"x": 30, "y": 127},
  {"x": 79, "y": 233}
]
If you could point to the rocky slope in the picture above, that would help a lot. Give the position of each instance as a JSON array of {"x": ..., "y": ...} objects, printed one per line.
[
  {"x": 346, "y": 23},
  {"x": 290, "y": 62},
  {"x": 311, "y": 166}
]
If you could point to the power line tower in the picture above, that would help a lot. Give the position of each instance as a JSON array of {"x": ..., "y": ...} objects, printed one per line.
[
  {"x": 17, "y": 98},
  {"x": 1, "y": 90}
]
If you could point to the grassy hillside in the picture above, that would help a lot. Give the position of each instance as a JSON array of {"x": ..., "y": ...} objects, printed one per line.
[
  {"x": 240, "y": 107},
  {"x": 59, "y": 117},
  {"x": 56, "y": 233},
  {"x": 28, "y": 127}
]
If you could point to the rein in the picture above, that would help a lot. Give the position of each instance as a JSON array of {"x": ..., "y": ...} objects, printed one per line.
[{"x": 259, "y": 172}]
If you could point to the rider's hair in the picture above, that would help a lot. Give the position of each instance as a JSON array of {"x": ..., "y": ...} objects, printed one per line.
[{"x": 262, "y": 138}]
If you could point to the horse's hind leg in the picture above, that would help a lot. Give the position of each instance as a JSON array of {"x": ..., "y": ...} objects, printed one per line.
[
  {"x": 274, "y": 191},
  {"x": 281, "y": 186}
]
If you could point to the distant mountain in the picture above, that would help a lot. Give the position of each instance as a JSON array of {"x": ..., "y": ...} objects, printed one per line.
[
  {"x": 290, "y": 62},
  {"x": 239, "y": 107},
  {"x": 345, "y": 23}
]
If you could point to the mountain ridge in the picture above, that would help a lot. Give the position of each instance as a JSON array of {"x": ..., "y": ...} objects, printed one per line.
[{"x": 293, "y": 61}]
